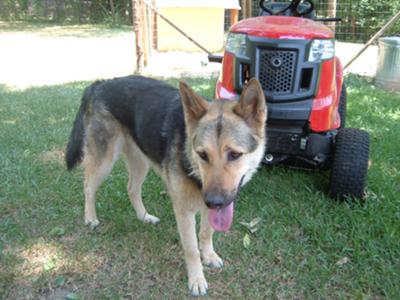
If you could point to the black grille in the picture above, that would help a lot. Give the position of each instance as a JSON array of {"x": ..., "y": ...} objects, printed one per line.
[{"x": 277, "y": 69}]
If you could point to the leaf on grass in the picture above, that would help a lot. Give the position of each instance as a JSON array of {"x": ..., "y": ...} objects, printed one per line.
[
  {"x": 245, "y": 224},
  {"x": 246, "y": 241},
  {"x": 73, "y": 296},
  {"x": 253, "y": 230},
  {"x": 57, "y": 231},
  {"x": 252, "y": 224},
  {"x": 343, "y": 261},
  {"x": 60, "y": 280},
  {"x": 48, "y": 266}
]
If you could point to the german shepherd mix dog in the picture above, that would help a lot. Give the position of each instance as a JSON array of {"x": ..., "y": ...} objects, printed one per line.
[{"x": 204, "y": 151}]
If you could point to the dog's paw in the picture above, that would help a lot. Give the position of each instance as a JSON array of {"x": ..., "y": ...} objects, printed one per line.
[
  {"x": 212, "y": 260},
  {"x": 198, "y": 286},
  {"x": 92, "y": 223},
  {"x": 150, "y": 219}
]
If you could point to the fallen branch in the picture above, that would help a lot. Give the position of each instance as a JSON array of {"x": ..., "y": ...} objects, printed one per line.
[{"x": 374, "y": 38}]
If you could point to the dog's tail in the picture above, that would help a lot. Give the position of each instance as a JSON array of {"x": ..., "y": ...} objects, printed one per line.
[{"x": 74, "y": 153}]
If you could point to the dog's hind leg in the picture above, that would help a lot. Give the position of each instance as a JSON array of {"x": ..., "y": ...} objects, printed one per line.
[
  {"x": 137, "y": 166},
  {"x": 98, "y": 163},
  {"x": 210, "y": 257}
]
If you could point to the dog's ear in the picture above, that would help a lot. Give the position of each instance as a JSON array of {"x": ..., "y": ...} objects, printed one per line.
[
  {"x": 194, "y": 105},
  {"x": 252, "y": 106}
]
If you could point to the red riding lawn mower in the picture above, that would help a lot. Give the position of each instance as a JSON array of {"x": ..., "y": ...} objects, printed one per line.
[{"x": 292, "y": 55}]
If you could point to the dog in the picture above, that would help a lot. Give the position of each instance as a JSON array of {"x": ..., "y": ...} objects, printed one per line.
[{"x": 204, "y": 152}]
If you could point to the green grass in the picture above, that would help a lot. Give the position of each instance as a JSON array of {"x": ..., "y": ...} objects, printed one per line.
[{"x": 307, "y": 246}]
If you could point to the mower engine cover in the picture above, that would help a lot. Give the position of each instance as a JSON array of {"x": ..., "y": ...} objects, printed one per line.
[{"x": 294, "y": 60}]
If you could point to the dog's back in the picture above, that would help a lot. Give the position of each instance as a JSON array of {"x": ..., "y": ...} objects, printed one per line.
[{"x": 150, "y": 110}]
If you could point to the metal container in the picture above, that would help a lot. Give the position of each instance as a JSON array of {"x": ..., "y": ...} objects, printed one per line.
[{"x": 388, "y": 69}]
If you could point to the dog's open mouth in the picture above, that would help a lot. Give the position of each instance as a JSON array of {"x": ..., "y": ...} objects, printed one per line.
[{"x": 221, "y": 218}]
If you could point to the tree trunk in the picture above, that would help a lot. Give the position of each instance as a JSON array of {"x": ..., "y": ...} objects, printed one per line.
[
  {"x": 112, "y": 7},
  {"x": 59, "y": 14},
  {"x": 30, "y": 8}
]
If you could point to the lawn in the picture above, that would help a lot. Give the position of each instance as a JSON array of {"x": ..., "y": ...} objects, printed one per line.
[{"x": 307, "y": 246}]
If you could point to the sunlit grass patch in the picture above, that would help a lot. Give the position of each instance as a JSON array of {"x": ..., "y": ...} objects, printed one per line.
[{"x": 54, "y": 30}]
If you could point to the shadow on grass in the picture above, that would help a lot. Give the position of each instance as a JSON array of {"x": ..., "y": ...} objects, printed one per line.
[
  {"x": 378, "y": 112},
  {"x": 298, "y": 249}
]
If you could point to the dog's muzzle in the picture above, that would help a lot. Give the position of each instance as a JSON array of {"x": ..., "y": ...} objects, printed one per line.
[
  {"x": 219, "y": 199},
  {"x": 216, "y": 201}
]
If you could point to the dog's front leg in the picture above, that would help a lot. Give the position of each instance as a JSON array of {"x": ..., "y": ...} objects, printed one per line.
[
  {"x": 210, "y": 258},
  {"x": 186, "y": 222}
]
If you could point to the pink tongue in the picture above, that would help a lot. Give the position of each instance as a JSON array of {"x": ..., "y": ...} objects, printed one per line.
[{"x": 221, "y": 219}]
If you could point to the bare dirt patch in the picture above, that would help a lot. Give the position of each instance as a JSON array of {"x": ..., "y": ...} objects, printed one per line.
[
  {"x": 33, "y": 56},
  {"x": 56, "y": 155},
  {"x": 55, "y": 55}
]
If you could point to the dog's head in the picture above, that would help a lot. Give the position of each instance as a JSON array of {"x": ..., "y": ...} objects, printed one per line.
[{"x": 225, "y": 141}]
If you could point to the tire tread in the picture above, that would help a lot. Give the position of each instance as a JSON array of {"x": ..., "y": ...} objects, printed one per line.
[{"x": 350, "y": 164}]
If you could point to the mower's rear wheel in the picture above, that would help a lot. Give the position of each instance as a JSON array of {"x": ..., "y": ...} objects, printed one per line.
[
  {"x": 343, "y": 106},
  {"x": 350, "y": 164}
]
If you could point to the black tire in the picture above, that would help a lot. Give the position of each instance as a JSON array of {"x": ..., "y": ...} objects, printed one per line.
[
  {"x": 350, "y": 164},
  {"x": 343, "y": 106}
]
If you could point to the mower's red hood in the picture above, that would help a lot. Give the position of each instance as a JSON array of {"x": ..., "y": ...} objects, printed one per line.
[{"x": 278, "y": 27}]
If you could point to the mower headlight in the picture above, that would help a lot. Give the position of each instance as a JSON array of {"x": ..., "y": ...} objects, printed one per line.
[
  {"x": 236, "y": 43},
  {"x": 322, "y": 50}
]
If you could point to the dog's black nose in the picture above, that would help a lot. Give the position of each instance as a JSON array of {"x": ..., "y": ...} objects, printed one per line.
[{"x": 214, "y": 201}]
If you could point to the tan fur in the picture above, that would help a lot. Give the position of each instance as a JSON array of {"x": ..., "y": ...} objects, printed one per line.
[
  {"x": 98, "y": 166},
  {"x": 242, "y": 126}
]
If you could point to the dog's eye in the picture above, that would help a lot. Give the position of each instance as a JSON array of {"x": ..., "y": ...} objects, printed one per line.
[
  {"x": 232, "y": 155},
  {"x": 203, "y": 155}
]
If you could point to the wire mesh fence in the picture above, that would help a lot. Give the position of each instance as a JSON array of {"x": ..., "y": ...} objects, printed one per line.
[{"x": 361, "y": 18}]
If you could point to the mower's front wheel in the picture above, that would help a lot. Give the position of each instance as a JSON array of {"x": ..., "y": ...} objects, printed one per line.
[{"x": 350, "y": 164}]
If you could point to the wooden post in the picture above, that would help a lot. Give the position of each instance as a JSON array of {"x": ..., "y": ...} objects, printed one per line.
[
  {"x": 247, "y": 9},
  {"x": 332, "y": 13},
  {"x": 154, "y": 42},
  {"x": 145, "y": 35},
  {"x": 234, "y": 16},
  {"x": 140, "y": 26},
  {"x": 137, "y": 28}
]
